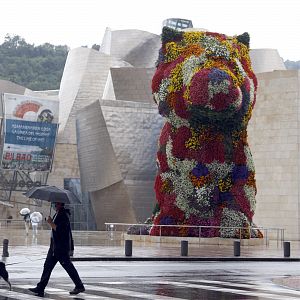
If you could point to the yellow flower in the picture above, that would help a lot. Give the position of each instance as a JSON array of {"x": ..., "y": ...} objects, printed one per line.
[
  {"x": 198, "y": 182},
  {"x": 247, "y": 116},
  {"x": 176, "y": 79},
  {"x": 172, "y": 51},
  {"x": 225, "y": 185},
  {"x": 192, "y": 37},
  {"x": 166, "y": 187},
  {"x": 192, "y": 50},
  {"x": 192, "y": 143},
  {"x": 186, "y": 95}
]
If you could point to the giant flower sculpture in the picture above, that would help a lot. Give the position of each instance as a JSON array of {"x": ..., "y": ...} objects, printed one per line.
[{"x": 205, "y": 88}]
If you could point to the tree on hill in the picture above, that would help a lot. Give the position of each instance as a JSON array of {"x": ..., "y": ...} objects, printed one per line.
[{"x": 35, "y": 67}]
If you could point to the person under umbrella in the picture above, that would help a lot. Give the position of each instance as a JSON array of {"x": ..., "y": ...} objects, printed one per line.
[
  {"x": 35, "y": 218},
  {"x": 61, "y": 246},
  {"x": 25, "y": 212}
]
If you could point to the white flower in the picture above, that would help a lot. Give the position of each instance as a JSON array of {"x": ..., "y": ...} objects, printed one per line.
[
  {"x": 204, "y": 195},
  {"x": 252, "y": 91},
  {"x": 216, "y": 88},
  {"x": 231, "y": 218},
  {"x": 249, "y": 159},
  {"x": 162, "y": 93},
  {"x": 240, "y": 68},
  {"x": 250, "y": 194},
  {"x": 177, "y": 121},
  {"x": 214, "y": 47},
  {"x": 219, "y": 170},
  {"x": 190, "y": 66},
  {"x": 179, "y": 176},
  {"x": 238, "y": 102}
]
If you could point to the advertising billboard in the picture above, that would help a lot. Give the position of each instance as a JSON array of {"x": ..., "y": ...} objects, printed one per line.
[{"x": 29, "y": 130}]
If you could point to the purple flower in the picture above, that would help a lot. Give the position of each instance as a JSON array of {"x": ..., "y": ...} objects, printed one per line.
[
  {"x": 163, "y": 108},
  {"x": 225, "y": 196},
  {"x": 240, "y": 172},
  {"x": 200, "y": 170},
  {"x": 217, "y": 75},
  {"x": 167, "y": 221}
]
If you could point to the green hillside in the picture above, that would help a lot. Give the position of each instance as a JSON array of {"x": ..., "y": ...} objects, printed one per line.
[{"x": 35, "y": 67}]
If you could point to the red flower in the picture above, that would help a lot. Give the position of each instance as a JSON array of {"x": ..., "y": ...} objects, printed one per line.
[
  {"x": 163, "y": 71},
  {"x": 199, "y": 87},
  {"x": 162, "y": 159},
  {"x": 179, "y": 138},
  {"x": 239, "y": 156},
  {"x": 165, "y": 134},
  {"x": 180, "y": 106},
  {"x": 247, "y": 84},
  {"x": 240, "y": 198},
  {"x": 221, "y": 101},
  {"x": 219, "y": 36},
  {"x": 158, "y": 77},
  {"x": 171, "y": 65},
  {"x": 212, "y": 150},
  {"x": 158, "y": 185}
]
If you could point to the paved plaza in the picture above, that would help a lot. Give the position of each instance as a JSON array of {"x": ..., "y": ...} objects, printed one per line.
[{"x": 154, "y": 271}]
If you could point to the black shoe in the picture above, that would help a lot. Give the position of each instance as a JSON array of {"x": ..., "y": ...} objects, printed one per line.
[
  {"x": 77, "y": 290},
  {"x": 37, "y": 291}
]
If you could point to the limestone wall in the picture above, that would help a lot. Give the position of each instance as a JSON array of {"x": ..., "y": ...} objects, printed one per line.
[{"x": 274, "y": 142}]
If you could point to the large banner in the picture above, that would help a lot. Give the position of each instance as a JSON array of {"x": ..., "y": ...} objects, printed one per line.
[{"x": 30, "y": 127}]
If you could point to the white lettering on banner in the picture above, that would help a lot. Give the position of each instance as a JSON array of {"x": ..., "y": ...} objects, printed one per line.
[{"x": 30, "y": 139}]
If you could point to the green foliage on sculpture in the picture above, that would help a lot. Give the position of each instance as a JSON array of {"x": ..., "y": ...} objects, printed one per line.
[{"x": 205, "y": 88}]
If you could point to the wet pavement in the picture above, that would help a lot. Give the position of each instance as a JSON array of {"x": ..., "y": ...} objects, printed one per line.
[
  {"x": 160, "y": 280},
  {"x": 165, "y": 277},
  {"x": 101, "y": 245}
]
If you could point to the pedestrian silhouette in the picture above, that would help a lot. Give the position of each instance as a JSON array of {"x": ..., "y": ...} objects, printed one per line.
[
  {"x": 4, "y": 273},
  {"x": 61, "y": 246},
  {"x": 27, "y": 223}
]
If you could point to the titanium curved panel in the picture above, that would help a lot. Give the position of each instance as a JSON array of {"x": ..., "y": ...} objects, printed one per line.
[
  {"x": 74, "y": 70},
  {"x": 266, "y": 60},
  {"x": 132, "y": 84},
  {"x": 137, "y": 47},
  {"x": 97, "y": 161},
  {"x": 133, "y": 129},
  {"x": 112, "y": 204},
  {"x": 83, "y": 83}
]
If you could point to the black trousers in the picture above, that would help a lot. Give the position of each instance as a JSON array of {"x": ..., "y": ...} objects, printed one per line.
[{"x": 65, "y": 261}]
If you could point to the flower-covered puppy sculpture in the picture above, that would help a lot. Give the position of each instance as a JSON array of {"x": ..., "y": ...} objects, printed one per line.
[{"x": 205, "y": 88}]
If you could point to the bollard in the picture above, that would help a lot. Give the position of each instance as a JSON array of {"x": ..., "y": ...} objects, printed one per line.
[
  {"x": 5, "y": 248},
  {"x": 286, "y": 249},
  {"x": 237, "y": 248},
  {"x": 128, "y": 247},
  {"x": 184, "y": 248}
]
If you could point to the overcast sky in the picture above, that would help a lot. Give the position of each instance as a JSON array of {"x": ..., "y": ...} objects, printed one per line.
[{"x": 270, "y": 23}]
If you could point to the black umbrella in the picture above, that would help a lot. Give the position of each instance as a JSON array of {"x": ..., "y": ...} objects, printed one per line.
[{"x": 52, "y": 194}]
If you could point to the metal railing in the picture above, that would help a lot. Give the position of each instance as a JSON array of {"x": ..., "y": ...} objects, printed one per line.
[{"x": 267, "y": 233}]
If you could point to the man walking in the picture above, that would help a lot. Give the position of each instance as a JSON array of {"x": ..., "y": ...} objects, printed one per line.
[{"x": 60, "y": 248}]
